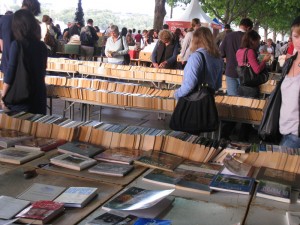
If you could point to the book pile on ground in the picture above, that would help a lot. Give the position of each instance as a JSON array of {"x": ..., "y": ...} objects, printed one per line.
[
  {"x": 37, "y": 192},
  {"x": 140, "y": 202},
  {"x": 18, "y": 156},
  {"x": 112, "y": 169},
  {"x": 80, "y": 149},
  {"x": 72, "y": 161},
  {"x": 231, "y": 183},
  {"x": 40, "y": 212},
  {"x": 9, "y": 138},
  {"x": 9, "y": 206},
  {"x": 118, "y": 155},
  {"x": 77, "y": 196},
  {"x": 112, "y": 219},
  {"x": 160, "y": 160},
  {"x": 40, "y": 144},
  {"x": 275, "y": 191}
]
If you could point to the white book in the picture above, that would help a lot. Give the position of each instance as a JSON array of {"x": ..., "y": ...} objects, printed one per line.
[
  {"x": 9, "y": 206},
  {"x": 77, "y": 196}
]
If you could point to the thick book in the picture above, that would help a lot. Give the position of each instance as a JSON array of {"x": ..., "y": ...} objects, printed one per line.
[
  {"x": 9, "y": 138},
  {"x": 37, "y": 192},
  {"x": 40, "y": 144},
  {"x": 275, "y": 191},
  {"x": 9, "y": 206},
  {"x": 112, "y": 219},
  {"x": 119, "y": 155},
  {"x": 159, "y": 160},
  {"x": 135, "y": 198},
  {"x": 231, "y": 183},
  {"x": 77, "y": 197},
  {"x": 80, "y": 149},
  {"x": 72, "y": 161},
  {"x": 18, "y": 156},
  {"x": 40, "y": 212},
  {"x": 293, "y": 218},
  {"x": 111, "y": 169}
]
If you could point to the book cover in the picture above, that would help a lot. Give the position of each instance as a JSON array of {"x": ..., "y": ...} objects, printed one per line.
[
  {"x": 18, "y": 156},
  {"x": 80, "y": 149},
  {"x": 9, "y": 137},
  {"x": 40, "y": 212},
  {"x": 112, "y": 219},
  {"x": 72, "y": 161},
  {"x": 112, "y": 169},
  {"x": 200, "y": 167},
  {"x": 293, "y": 218},
  {"x": 231, "y": 183},
  {"x": 40, "y": 144},
  {"x": 10, "y": 206},
  {"x": 234, "y": 167},
  {"x": 39, "y": 191},
  {"x": 77, "y": 196},
  {"x": 135, "y": 198},
  {"x": 143, "y": 221},
  {"x": 274, "y": 191},
  {"x": 160, "y": 160},
  {"x": 119, "y": 155},
  {"x": 163, "y": 177}
]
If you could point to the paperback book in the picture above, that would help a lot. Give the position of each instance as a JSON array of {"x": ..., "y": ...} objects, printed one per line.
[
  {"x": 119, "y": 155},
  {"x": 9, "y": 206},
  {"x": 72, "y": 161},
  {"x": 9, "y": 138},
  {"x": 18, "y": 156},
  {"x": 40, "y": 212},
  {"x": 77, "y": 197},
  {"x": 200, "y": 167},
  {"x": 80, "y": 149},
  {"x": 112, "y": 219},
  {"x": 143, "y": 221},
  {"x": 160, "y": 160},
  {"x": 163, "y": 177},
  {"x": 40, "y": 144},
  {"x": 234, "y": 167},
  {"x": 112, "y": 169},
  {"x": 231, "y": 183},
  {"x": 275, "y": 191}
]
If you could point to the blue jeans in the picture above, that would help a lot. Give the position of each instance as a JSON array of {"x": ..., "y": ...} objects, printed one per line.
[
  {"x": 232, "y": 85},
  {"x": 290, "y": 140}
]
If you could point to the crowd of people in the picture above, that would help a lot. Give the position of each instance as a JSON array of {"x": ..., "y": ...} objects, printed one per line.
[{"x": 179, "y": 49}]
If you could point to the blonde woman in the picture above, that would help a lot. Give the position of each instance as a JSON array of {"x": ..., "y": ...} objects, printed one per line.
[{"x": 202, "y": 43}]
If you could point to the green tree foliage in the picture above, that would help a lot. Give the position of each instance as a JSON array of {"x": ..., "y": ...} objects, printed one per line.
[{"x": 79, "y": 13}]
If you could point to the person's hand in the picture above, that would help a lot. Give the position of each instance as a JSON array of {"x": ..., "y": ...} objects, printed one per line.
[
  {"x": 267, "y": 57},
  {"x": 155, "y": 65},
  {"x": 163, "y": 64},
  {"x": 2, "y": 105}
]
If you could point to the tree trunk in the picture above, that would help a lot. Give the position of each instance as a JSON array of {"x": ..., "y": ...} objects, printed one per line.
[
  {"x": 159, "y": 14},
  {"x": 266, "y": 33},
  {"x": 274, "y": 36},
  {"x": 171, "y": 13}
]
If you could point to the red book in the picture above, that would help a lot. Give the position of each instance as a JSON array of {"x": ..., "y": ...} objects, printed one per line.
[{"x": 40, "y": 212}]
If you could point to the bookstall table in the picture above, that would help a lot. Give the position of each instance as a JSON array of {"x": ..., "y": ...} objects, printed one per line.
[
  {"x": 266, "y": 211},
  {"x": 194, "y": 208},
  {"x": 13, "y": 183}
]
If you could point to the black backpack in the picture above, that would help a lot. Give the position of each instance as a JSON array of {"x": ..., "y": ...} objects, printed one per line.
[{"x": 86, "y": 37}]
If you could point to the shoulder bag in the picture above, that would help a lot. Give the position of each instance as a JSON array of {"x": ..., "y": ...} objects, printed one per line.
[
  {"x": 126, "y": 56},
  {"x": 247, "y": 75},
  {"x": 20, "y": 89},
  {"x": 196, "y": 112}
]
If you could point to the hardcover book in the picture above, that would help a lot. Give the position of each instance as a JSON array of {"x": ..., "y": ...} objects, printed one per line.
[
  {"x": 160, "y": 160},
  {"x": 274, "y": 191},
  {"x": 143, "y": 221},
  {"x": 10, "y": 206},
  {"x": 112, "y": 169},
  {"x": 40, "y": 212},
  {"x": 119, "y": 155},
  {"x": 231, "y": 183},
  {"x": 9, "y": 137},
  {"x": 40, "y": 144},
  {"x": 80, "y": 149},
  {"x": 163, "y": 177},
  {"x": 200, "y": 167},
  {"x": 18, "y": 156},
  {"x": 37, "y": 192},
  {"x": 112, "y": 219},
  {"x": 77, "y": 196},
  {"x": 72, "y": 162}
]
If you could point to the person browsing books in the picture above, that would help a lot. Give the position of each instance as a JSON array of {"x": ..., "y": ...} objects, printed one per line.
[
  {"x": 202, "y": 42},
  {"x": 289, "y": 125},
  {"x": 27, "y": 33}
]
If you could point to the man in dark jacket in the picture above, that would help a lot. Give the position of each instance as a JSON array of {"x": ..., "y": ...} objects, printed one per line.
[{"x": 88, "y": 38}]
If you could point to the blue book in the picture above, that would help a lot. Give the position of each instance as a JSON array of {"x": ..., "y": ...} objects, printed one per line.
[
  {"x": 231, "y": 183},
  {"x": 143, "y": 221}
]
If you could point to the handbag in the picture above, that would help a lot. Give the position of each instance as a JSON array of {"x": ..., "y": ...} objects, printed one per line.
[
  {"x": 49, "y": 39},
  {"x": 269, "y": 126},
  {"x": 196, "y": 112},
  {"x": 247, "y": 75},
  {"x": 126, "y": 56},
  {"x": 20, "y": 89}
]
